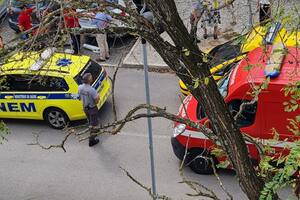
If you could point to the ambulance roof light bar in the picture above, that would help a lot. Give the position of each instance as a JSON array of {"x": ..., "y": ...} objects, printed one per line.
[
  {"x": 272, "y": 33},
  {"x": 45, "y": 55},
  {"x": 273, "y": 66}
]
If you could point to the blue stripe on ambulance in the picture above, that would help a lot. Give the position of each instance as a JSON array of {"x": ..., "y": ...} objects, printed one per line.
[
  {"x": 35, "y": 96},
  {"x": 100, "y": 79}
]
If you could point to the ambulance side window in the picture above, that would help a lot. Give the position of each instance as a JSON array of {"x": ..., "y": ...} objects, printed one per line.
[
  {"x": 4, "y": 84},
  {"x": 11, "y": 83},
  {"x": 247, "y": 116},
  {"x": 48, "y": 83},
  {"x": 23, "y": 82}
]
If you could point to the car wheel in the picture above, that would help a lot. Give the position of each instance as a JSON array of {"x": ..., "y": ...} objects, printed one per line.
[
  {"x": 202, "y": 163},
  {"x": 56, "y": 118}
]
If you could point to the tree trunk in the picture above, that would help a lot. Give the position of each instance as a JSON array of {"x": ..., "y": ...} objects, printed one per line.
[{"x": 220, "y": 118}]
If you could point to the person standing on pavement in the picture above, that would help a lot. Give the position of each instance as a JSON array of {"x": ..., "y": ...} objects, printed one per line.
[
  {"x": 230, "y": 9},
  {"x": 264, "y": 7},
  {"x": 196, "y": 13},
  {"x": 102, "y": 21},
  {"x": 90, "y": 98},
  {"x": 72, "y": 22},
  {"x": 211, "y": 18},
  {"x": 25, "y": 21}
]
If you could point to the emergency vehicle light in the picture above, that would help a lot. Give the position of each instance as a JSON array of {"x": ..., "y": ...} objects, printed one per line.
[
  {"x": 45, "y": 55},
  {"x": 274, "y": 63},
  {"x": 272, "y": 32}
]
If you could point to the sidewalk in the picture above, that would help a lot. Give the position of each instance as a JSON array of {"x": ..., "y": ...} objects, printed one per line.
[{"x": 134, "y": 58}]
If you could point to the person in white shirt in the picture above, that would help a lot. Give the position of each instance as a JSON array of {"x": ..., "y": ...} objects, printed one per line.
[
  {"x": 264, "y": 7},
  {"x": 102, "y": 21}
]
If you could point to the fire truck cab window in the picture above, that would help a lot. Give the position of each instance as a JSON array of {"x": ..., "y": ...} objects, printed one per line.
[{"x": 247, "y": 116}]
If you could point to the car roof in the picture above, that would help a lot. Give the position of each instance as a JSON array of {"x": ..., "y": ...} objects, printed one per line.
[
  {"x": 59, "y": 64},
  {"x": 243, "y": 74}
]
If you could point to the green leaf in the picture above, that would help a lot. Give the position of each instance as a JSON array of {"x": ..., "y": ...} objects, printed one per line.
[
  {"x": 205, "y": 58},
  {"x": 187, "y": 53},
  {"x": 265, "y": 83},
  {"x": 294, "y": 107},
  {"x": 196, "y": 83},
  {"x": 206, "y": 80},
  {"x": 269, "y": 197},
  {"x": 223, "y": 165}
]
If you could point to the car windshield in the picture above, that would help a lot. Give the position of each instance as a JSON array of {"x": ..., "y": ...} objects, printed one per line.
[
  {"x": 91, "y": 67},
  {"x": 223, "y": 85},
  {"x": 225, "y": 52}
]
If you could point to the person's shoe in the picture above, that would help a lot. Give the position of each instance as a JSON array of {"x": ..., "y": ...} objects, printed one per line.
[
  {"x": 205, "y": 36},
  {"x": 215, "y": 36},
  {"x": 100, "y": 60},
  {"x": 106, "y": 58},
  {"x": 93, "y": 142}
]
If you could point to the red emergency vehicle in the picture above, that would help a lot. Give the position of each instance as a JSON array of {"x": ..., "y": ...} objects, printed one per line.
[{"x": 256, "y": 119}]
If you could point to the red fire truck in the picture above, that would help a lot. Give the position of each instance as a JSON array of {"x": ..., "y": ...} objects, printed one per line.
[{"x": 257, "y": 119}]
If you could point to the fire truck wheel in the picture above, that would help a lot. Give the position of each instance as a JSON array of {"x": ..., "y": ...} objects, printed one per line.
[{"x": 202, "y": 164}]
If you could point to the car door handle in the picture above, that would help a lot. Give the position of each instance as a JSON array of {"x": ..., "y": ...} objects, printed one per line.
[
  {"x": 42, "y": 97},
  {"x": 9, "y": 97}
]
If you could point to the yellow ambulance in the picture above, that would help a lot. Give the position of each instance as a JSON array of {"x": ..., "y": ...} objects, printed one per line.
[{"x": 44, "y": 86}]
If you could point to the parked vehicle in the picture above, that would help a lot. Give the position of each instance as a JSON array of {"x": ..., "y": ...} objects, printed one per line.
[
  {"x": 223, "y": 57},
  {"x": 45, "y": 87},
  {"x": 257, "y": 119},
  {"x": 86, "y": 22}
]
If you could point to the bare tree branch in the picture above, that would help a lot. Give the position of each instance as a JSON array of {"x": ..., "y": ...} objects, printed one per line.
[{"x": 60, "y": 145}]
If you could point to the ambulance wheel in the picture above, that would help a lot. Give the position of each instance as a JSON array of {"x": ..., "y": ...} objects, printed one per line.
[
  {"x": 202, "y": 163},
  {"x": 56, "y": 118}
]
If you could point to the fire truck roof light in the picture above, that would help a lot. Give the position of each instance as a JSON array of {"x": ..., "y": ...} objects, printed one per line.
[
  {"x": 272, "y": 33},
  {"x": 274, "y": 63}
]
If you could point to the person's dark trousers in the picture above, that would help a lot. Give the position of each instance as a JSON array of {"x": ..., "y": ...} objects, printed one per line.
[
  {"x": 91, "y": 114},
  {"x": 264, "y": 13},
  {"x": 75, "y": 42}
]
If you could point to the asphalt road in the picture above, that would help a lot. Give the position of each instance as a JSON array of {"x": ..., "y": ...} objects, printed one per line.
[
  {"x": 28, "y": 172},
  {"x": 84, "y": 173}
]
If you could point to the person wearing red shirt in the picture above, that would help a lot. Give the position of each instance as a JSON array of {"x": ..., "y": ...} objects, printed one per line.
[
  {"x": 71, "y": 22},
  {"x": 25, "y": 20}
]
